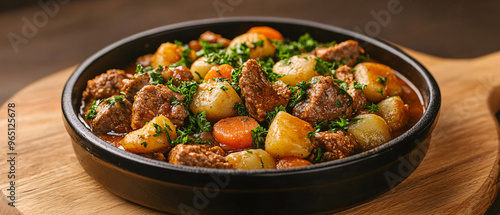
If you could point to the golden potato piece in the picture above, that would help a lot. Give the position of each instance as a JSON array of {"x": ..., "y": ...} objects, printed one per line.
[
  {"x": 168, "y": 53},
  {"x": 259, "y": 45},
  {"x": 217, "y": 98},
  {"x": 152, "y": 137},
  {"x": 379, "y": 79},
  {"x": 296, "y": 69},
  {"x": 394, "y": 111},
  {"x": 287, "y": 137},
  {"x": 200, "y": 68},
  {"x": 251, "y": 159},
  {"x": 371, "y": 131}
]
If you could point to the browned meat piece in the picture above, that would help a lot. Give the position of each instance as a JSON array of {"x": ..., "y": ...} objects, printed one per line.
[
  {"x": 334, "y": 145},
  {"x": 144, "y": 60},
  {"x": 133, "y": 85},
  {"x": 180, "y": 73},
  {"x": 212, "y": 37},
  {"x": 199, "y": 155},
  {"x": 105, "y": 85},
  {"x": 325, "y": 101},
  {"x": 282, "y": 90},
  {"x": 113, "y": 115},
  {"x": 348, "y": 49},
  {"x": 195, "y": 45},
  {"x": 260, "y": 95},
  {"x": 152, "y": 101},
  {"x": 344, "y": 73}
]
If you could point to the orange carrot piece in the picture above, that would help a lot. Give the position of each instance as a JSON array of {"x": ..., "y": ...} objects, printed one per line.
[
  {"x": 269, "y": 32},
  {"x": 235, "y": 132},
  {"x": 221, "y": 71},
  {"x": 290, "y": 162}
]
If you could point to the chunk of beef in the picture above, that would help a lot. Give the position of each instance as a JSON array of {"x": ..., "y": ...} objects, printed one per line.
[
  {"x": 152, "y": 101},
  {"x": 180, "y": 73},
  {"x": 144, "y": 60},
  {"x": 345, "y": 50},
  {"x": 345, "y": 74},
  {"x": 260, "y": 95},
  {"x": 334, "y": 145},
  {"x": 199, "y": 155},
  {"x": 113, "y": 115},
  {"x": 105, "y": 85},
  {"x": 210, "y": 37},
  {"x": 133, "y": 85},
  {"x": 326, "y": 101}
]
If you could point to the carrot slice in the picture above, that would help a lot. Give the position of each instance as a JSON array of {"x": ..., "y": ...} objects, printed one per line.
[
  {"x": 290, "y": 162},
  {"x": 221, "y": 71},
  {"x": 235, "y": 132},
  {"x": 269, "y": 32}
]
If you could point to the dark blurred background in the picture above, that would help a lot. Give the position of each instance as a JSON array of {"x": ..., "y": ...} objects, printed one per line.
[{"x": 40, "y": 37}]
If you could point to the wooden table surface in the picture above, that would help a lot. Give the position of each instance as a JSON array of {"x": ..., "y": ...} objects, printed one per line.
[{"x": 458, "y": 175}]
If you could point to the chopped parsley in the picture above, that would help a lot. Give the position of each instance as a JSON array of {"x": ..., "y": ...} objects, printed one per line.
[
  {"x": 92, "y": 112},
  {"x": 246, "y": 150},
  {"x": 144, "y": 144},
  {"x": 359, "y": 86},
  {"x": 381, "y": 91},
  {"x": 258, "y": 136},
  {"x": 372, "y": 108},
  {"x": 317, "y": 128},
  {"x": 382, "y": 80},
  {"x": 339, "y": 104},
  {"x": 323, "y": 67},
  {"x": 240, "y": 107},
  {"x": 342, "y": 124},
  {"x": 259, "y": 43},
  {"x": 298, "y": 93},
  {"x": 223, "y": 88},
  {"x": 318, "y": 156},
  {"x": 344, "y": 87},
  {"x": 207, "y": 48},
  {"x": 185, "y": 88},
  {"x": 261, "y": 162},
  {"x": 271, "y": 114},
  {"x": 235, "y": 79},
  {"x": 235, "y": 56},
  {"x": 186, "y": 59},
  {"x": 194, "y": 124}
]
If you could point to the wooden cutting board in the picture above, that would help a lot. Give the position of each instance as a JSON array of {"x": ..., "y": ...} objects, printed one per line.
[{"x": 460, "y": 173}]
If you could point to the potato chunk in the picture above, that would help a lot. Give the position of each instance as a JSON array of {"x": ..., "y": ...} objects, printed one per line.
[
  {"x": 371, "y": 131},
  {"x": 296, "y": 69},
  {"x": 394, "y": 111},
  {"x": 287, "y": 137},
  {"x": 200, "y": 68},
  {"x": 251, "y": 159},
  {"x": 217, "y": 98},
  {"x": 152, "y": 137},
  {"x": 379, "y": 79},
  {"x": 259, "y": 45},
  {"x": 168, "y": 53}
]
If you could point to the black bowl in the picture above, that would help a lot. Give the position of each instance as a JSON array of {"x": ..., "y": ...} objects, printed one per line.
[{"x": 320, "y": 188}]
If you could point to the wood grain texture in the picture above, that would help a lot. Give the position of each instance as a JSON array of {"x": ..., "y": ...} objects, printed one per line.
[{"x": 460, "y": 173}]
